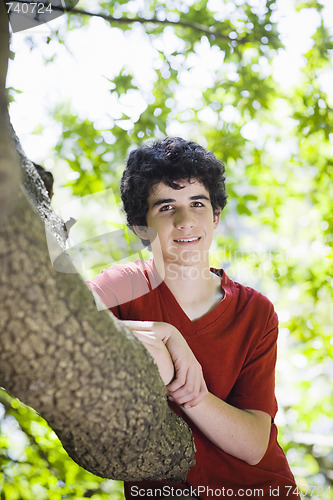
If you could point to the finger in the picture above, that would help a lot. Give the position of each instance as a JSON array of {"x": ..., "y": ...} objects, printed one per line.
[
  {"x": 180, "y": 380},
  {"x": 194, "y": 402},
  {"x": 189, "y": 379},
  {"x": 191, "y": 385},
  {"x": 190, "y": 392},
  {"x": 175, "y": 384},
  {"x": 201, "y": 394},
  {"x": 138, "y": 325},
  {"x": 183, "y": 395},
  {"x": 143, "y": 334},
  {"x": 147, "y": 338},
  {"x": 188, "y": 389},
  {"x": 191, "y": 400}
]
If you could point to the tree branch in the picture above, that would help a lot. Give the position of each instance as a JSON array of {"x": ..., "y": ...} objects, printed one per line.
[
  {"x": 9, "y": 168},
  {"x": 142, "y": 20},
  {"x": 88, "y": 376},
  {"x": 91, "y": 380}
]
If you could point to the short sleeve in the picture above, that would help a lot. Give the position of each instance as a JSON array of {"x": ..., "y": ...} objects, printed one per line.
[
  {"x": 254, "y": 388},
  {"x": 121, "y": 283}
]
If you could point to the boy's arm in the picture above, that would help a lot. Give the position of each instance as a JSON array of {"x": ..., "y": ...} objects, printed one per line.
[
  {"x": 187, "y": 371},
  {"x": 243, "y": 434},
  {"x": 158, "y": 351}
]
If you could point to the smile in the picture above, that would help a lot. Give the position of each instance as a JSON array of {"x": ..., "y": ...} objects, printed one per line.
[{"x": 187, "y": 240}]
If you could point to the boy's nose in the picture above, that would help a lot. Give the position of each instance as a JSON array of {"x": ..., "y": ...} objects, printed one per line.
[{"x": 184, "y": 220}]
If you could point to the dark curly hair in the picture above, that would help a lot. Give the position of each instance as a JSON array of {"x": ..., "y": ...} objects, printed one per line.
[{"x": 169, "y": 161}]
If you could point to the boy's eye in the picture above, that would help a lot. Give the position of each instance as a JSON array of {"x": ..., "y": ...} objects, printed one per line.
[
  {"x": 197, "y": 204},
  {"x": 165, "y": 208}
]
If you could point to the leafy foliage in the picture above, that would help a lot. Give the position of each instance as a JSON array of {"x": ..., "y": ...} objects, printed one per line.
[{"x": 34, "y": 464}]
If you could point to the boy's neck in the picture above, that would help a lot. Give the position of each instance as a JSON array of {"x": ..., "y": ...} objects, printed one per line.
[{"x": 196, "y": 289}]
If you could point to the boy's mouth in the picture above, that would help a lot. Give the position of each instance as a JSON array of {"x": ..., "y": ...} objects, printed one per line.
[{"x": 188, "y": 240}]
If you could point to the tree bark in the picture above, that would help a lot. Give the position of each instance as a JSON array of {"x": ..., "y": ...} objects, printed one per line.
[{"x": 88, "y": 376}]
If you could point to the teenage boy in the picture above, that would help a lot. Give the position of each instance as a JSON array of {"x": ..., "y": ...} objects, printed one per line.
[{"x": 214, "y": 340}]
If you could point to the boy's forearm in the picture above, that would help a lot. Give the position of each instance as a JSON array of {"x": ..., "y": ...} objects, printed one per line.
[
  {"x": 155, "y": 345},
  {"x": 243, "y": 434}
]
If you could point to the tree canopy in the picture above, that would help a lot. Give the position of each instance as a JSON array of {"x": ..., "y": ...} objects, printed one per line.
[{"x": 209, "y": 71}]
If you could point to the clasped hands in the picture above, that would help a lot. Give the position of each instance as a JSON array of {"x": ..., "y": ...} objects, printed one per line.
[{"x": 177, "y": 365}]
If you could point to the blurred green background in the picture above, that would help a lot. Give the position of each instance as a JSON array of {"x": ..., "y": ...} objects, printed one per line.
[{"x": 250, "y": 80}]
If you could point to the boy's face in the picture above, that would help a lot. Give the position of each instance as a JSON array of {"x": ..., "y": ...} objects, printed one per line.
[{"x": 182, "y": 221}]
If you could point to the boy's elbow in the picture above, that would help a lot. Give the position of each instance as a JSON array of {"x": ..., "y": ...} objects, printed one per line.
[
  {"x": 254, "y": 460},
  {"x": 257, "y": 454},
  {"x": 260, "y": 438}
]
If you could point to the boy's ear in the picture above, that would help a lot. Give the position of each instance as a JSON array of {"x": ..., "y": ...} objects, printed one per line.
[
  {"x": 141, "y": 231},
  {"x": 217, "y": 218}
]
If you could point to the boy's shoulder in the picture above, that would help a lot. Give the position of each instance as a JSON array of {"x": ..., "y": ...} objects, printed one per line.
[
  {"x": 139, "y": 268},
  {"x": 248, "y": 296},
  {"x": 121, "y": 283}
]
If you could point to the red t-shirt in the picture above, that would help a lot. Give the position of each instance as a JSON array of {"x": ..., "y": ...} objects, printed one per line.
[{"x": 235, "y": 344}]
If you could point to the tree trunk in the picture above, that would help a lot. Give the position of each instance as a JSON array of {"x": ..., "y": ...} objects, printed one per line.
[{"x": 87, "y": 375}]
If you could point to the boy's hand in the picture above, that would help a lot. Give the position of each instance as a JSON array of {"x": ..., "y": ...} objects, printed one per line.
[
  {"x": 156, "y": 347},
  {"x": 189, "y": 387}
]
